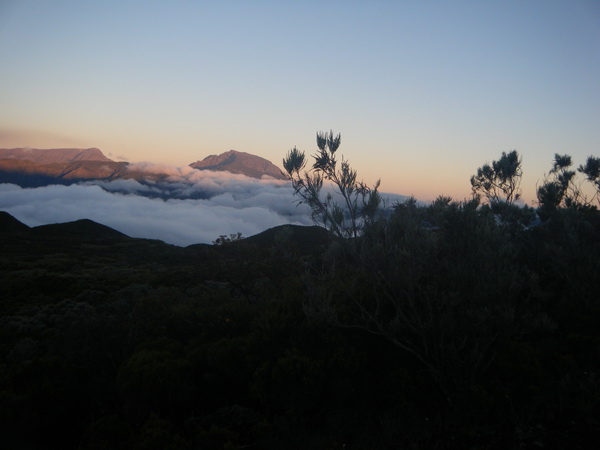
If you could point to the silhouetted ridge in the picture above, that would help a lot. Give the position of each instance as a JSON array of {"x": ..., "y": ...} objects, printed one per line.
[
  {"x": 83, "y": 228},
  {"x": 8, "y": 224},
  {"x": 306, "y": 237}
]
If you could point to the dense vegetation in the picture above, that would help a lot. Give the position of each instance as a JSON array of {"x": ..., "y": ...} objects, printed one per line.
[{"x": 452, "y": 325}]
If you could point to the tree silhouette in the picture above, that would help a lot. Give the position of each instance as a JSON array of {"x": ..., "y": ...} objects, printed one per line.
[
  {"x": 559, "y": 188},
  {"x": 359, "y": 203},
  {"x": 592, "y": 172},
  {"x": 500, "y": 182},
  {"x": 223, "y": 239}
]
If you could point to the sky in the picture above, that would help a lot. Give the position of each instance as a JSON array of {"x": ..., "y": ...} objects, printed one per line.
[{"x": 423, "y": 92}]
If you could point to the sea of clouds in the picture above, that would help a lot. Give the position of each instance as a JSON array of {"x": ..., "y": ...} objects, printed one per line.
[{"x": 187, "y": 206}]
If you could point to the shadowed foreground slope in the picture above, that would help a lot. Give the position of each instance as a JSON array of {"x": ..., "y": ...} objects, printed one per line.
[{"x": 110, "y": 342}]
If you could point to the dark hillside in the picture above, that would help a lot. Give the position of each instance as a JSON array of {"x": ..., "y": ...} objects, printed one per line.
[
  {"x": 301, "y": 236},
  {"x": 476, "y": 335},
  {"x": 83, "y": 228},
  {"x": 8, "y": 224}
]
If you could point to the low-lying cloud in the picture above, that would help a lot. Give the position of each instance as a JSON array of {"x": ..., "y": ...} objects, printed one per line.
[{"x": 185, "y": 206}]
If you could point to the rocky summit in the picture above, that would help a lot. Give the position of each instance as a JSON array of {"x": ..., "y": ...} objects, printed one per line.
[{"x": 241, "y": 163}]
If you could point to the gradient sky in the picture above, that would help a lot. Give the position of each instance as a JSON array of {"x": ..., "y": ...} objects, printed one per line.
[{"x": 423, "y": 92}]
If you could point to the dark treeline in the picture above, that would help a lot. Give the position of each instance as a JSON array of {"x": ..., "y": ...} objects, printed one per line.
[{"x": 451, "y": 325}]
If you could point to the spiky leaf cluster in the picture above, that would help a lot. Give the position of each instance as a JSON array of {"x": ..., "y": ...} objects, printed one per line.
[
  {"x": 359, "y": 203},
  {"x": 500, "y": 181},
  {"x": 559, "y": 186},
  {"x": 591, "y": 170}
]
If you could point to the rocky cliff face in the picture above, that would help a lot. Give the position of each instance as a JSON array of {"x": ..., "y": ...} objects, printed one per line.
[{"x": 240, "y": 162}]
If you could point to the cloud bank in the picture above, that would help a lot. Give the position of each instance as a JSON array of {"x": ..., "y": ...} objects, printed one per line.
[
  {"x": 189, "y": 207},
  {"x": 178, "y": 205}
]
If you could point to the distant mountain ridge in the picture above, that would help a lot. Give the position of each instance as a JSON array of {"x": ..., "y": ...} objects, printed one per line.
[
  {"x": 30, "y": 167},
  {"x": 53, "y": 155}
]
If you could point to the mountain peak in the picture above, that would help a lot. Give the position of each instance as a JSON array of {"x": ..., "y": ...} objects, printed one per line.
[{"x": 240, "y": 162}]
